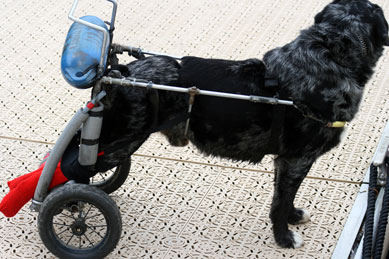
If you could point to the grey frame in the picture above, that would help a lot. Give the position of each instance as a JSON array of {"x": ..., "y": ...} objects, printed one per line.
[{"x": 356, "y": 218}]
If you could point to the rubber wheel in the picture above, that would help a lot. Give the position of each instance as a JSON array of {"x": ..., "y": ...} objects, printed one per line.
[
  {"x": 111, "y": 180},
  {"x": 79, "y": 221}
]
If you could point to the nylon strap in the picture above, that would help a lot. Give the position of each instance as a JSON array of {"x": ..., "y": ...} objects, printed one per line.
[{"x": 277, "y": 128}]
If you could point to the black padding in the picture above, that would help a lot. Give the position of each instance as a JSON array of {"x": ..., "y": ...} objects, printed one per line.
[{"x": 72, "y": 169}]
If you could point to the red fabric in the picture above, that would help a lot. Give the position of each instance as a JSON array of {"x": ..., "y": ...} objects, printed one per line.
[
  {"x": 22, "y": 190},
  {"x": 13, "y": 183}
]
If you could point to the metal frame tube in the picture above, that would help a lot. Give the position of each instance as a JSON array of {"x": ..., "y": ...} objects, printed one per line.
[
  {"x": 91, "y": 129},
  {"x": 131, "y": 49},
  {"x": 55, "y": 155},
  {"x": 160, "y": 54},
  {"x": 353, "y": 224},
  {"x": 113, "y": 16},
  {"x": 59, "y": 148},
  {"x": 252, "y": 98}
]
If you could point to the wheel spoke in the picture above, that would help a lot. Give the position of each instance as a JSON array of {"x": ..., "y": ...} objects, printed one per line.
[
  {"x": 88, "y": 240},
  {"x": 93, "y": 216},
  {"x": 95, "y": 231},
  {"x": 98, "y": 226},
  {"x": 63, "y": 214},
  {"x": 79, "y": 238},
  {"x": 102, "y": 176},
  {"x": 60, "y": 224},
  {"x": 70, "y": 239},
  {"x": 62, "y": 231},
  {"x": 85, "y": 217}
]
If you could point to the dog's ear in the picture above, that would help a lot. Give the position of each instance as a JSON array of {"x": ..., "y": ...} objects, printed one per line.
[
  {"x": 319, "y": 17},
  {"x": 381, "y": 26}
]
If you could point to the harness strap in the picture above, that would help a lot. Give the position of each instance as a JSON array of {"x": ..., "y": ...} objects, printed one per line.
[
  {"x": 278, "y": 117},
  {"x": 154, "y": 100},
  {"x": 270, "y": 82},
  {"x": 277, "y": 128}
]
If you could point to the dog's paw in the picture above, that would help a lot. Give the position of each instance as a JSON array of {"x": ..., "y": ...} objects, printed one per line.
[
  {"x": 290, "y": 240},
  {"x": 297, "y": 240},
  {"x": 299, "y": 216}
]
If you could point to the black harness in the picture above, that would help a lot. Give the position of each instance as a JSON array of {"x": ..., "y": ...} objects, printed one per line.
[{"x": 277, "y": 125}]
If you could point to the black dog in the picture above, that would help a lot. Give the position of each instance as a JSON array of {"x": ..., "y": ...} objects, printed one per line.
[{"x": 323, "y": 72}]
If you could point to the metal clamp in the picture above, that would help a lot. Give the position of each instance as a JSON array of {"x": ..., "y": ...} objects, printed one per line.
[
  {"x": 383, "y": 148},
  {"x": 193, "y": 91},
  {"x": 381, "y": 157}
]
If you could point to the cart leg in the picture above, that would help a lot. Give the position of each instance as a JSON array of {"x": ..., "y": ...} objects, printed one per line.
[{"x": 56, "y": 153}]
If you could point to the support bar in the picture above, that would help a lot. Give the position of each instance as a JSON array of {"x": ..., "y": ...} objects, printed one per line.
[
  {"x": 138, "y": 51},
  {"x": 138, "y": 83}
]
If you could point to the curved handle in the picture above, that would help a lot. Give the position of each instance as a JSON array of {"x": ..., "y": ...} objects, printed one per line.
[{"x": 113, "y": 16}]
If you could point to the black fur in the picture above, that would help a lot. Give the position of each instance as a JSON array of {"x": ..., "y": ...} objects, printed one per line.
[{"x": 324, "y": 71}]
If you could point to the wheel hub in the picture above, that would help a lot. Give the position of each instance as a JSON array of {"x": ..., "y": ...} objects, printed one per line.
[{"x": 79, "y": 227}]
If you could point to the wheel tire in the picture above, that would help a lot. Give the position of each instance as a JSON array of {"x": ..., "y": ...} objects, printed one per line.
[
  {"x": 74, "y": 198},
  {"x": 114, "y": 181}
]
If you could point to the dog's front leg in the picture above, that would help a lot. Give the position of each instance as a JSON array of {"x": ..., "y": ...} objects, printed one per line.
[{"x": 289, "y": 174}]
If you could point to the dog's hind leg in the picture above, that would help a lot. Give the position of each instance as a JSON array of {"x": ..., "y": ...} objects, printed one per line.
[{"x": 289, "y": 174}]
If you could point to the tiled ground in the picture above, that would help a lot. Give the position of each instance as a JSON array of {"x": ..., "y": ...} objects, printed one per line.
[{"x": 176, "y": 202}]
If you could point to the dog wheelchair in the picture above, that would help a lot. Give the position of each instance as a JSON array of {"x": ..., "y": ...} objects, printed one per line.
[{"x": 78, "y": 220}]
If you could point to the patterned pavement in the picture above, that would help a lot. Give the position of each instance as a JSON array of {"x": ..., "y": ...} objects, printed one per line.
[{"x": 176, "y": 203}]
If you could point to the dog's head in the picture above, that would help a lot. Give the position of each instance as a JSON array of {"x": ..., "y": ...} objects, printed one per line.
[{"x": 362, "y": 13}]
